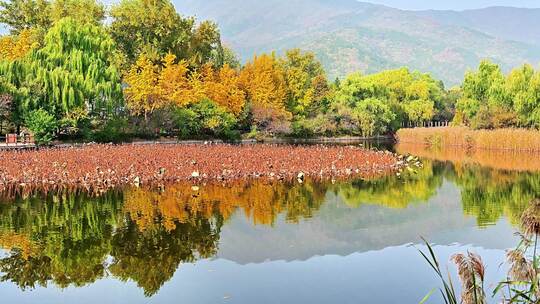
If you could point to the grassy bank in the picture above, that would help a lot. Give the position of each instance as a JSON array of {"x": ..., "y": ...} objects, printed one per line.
[{"x": 499, "y": 139}]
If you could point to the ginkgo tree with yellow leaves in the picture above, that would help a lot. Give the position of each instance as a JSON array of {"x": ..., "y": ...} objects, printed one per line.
[
  {"x": 264, "y": 82},
  {"x": 172, "y": 85},
  {"x": 151, "y": 87}
]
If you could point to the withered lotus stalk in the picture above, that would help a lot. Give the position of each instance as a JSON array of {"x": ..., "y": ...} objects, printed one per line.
[{"x": 99, "y": 167}]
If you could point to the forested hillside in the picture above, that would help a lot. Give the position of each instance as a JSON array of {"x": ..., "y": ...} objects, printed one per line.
[
  {"x": 349, "y": 36},
  {"x": 510, "y": 23}
]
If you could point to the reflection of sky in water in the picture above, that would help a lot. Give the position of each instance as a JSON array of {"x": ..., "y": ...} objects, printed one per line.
[
  {"x": 340, "y": 255},
  {"x": 391, "y": 275}
]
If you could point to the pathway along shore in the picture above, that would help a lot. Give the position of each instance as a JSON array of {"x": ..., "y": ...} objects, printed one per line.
[{"x": 107, "y": 166}]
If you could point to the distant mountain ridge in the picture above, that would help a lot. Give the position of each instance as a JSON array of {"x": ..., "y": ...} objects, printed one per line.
[
  {"x": 348, "y": 36},
  {"x": 510, "y": 23}
]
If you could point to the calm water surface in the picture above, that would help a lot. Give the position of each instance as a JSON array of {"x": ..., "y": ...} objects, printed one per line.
[{"x": 317, "y": 242}]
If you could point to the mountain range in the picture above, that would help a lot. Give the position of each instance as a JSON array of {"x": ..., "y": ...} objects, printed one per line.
[{"x": 349, "y": 36}]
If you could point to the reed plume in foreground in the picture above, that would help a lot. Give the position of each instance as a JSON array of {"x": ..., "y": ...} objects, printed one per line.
[
  {"x": 523, "y": 282},
  {"x": 521, "y": 269},
  {"x": 471, "y": 273},
  {"x": 530, "y": 220}
]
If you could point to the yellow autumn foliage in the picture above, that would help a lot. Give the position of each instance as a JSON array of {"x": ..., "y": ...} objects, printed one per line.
[
  {"x": 142, "y": 93},
  {"x": 223, "y": 87},
  {"x": 153, "y": 86},
  {"x": 16, "y": 47},
  {"x": 264, "y": 82}
]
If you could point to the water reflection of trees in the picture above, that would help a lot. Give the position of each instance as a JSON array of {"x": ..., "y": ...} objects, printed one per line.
[
  {"x": 141, "y": 235},
  {"x": 136, "y": 235},
  {"x": 493, "y": 184},
  {"x": 487, "y": 194},
  {"x": 490, "y": 194},
  {"x": 412, "y": 187}
]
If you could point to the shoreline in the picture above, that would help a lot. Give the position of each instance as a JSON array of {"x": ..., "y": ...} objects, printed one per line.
[{"x": 166, "y": 141}]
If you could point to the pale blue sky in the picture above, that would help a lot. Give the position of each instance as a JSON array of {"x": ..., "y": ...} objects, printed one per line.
[{"x": 455, "y": 4}]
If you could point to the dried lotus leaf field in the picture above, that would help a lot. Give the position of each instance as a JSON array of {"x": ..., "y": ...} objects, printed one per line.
[{"x": 108, "y": 166}]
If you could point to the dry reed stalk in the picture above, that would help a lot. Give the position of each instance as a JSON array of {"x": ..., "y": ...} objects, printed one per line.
[
  {"x": 499, "y": 139},
  {"x": 471, "y": 272}
]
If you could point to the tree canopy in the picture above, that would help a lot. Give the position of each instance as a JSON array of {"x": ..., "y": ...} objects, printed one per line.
[
  {"x": 492, "y": 100},
  {"x": 140, "y": 68},
  {"x": 71, "y": 72}
]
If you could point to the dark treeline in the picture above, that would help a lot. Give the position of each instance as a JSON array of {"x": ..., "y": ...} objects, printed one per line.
[{"x": 76, "y": 69}]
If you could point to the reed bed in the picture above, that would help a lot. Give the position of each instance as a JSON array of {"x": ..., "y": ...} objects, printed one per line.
[
  {"x": 107, "y": 166},
  {"x": 499, "y": 139},
  {"x": 524, "y": 161}
]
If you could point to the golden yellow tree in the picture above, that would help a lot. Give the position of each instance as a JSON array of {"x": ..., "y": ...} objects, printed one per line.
[
  {"x": 264, "y": 83},
  {"x": 143, "y": 96},
  {"x": 175, "y": 84},
  {"x": 153, "y": 86},
  {"x": 16, "y": 47},
  {"x": 266, "y": 89},
  {"x": 223, "y": 87}
]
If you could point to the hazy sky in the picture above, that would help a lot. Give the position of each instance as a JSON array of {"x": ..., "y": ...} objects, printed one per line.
[{"x": 455, "y": 4}]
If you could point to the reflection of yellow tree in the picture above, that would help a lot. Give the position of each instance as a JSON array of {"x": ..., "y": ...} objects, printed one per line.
[
  {"x": 260, "y": 201},
  {"x": 412, "y": 187},
  {"x": 66, "y": 238},
  {"x": 10, "y": 240}
]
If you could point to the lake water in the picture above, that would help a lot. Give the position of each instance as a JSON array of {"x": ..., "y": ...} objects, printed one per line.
[{"x": 316, "y": 242}]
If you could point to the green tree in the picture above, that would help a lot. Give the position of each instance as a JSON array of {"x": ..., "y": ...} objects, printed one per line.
[
  {"x": 21, "y": 15},
  {"x": 491, "y": 100},
  {"x": 374, "y": 116},
  {"x": 6, "y": 102},
  {"x": 482, "y": 88},
  {"x": 42, "y": 125},
  {"x": 306, "y": 81},
  {"x": 523, "y": 85},
  {"x": 154, "y": 28},
  {"x": 72, "y": 72},
  {"x": 411, "y": 97},
  {"x": 205, "y": 118}
]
